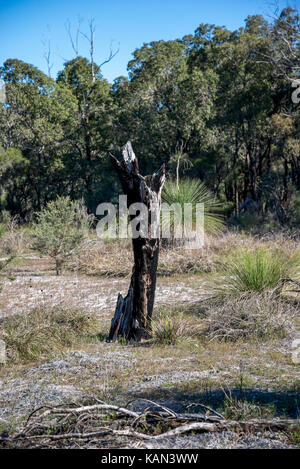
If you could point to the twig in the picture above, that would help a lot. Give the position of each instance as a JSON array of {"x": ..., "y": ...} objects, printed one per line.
[
  {"x": 169, "y": 411},
  {"x": 207, "y": 408}
]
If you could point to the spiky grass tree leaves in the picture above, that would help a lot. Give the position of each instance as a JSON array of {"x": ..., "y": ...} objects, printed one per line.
[{"x": 193, "y": 191}]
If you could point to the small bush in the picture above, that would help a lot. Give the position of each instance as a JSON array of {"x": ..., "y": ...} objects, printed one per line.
[
  {"x": 168, "y": 328},
  {"x": 60, "y": 229},
  {"x": 250, "y": 316},
  {"x": 42, "y": 332},
  {"x": 253, "y": 271}
]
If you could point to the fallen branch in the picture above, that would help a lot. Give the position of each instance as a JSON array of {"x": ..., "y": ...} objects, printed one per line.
[
  {"x": 82, "y": 423},
  {"x": 271, "y": 425},
  {"x": 78, "y": 410},
  {"x": 155, "y": 404},
  {"x": 209, "y": 427}
]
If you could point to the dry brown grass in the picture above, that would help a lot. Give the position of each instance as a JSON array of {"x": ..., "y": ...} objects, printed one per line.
[
  {"x": 178, "y": 261},
  {"x": 14, "y": 241},
  {"x": 251, "y": 316},
  {"x": 103, "y": 258},
  {"x": 115, "y": 259},
  {"x": 231, "y": 240}
]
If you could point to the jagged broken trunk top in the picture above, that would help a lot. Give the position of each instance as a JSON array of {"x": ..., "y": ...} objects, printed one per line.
[{"x": 133, "y": 313}]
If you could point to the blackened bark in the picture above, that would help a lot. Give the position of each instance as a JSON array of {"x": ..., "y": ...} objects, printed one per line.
[{"x": 133, "y": 313}]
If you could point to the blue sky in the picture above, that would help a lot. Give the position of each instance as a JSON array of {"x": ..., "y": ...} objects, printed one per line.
[{"x": 127, "y": 24}]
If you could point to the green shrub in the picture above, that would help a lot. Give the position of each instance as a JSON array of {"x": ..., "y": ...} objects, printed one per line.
[{"x": 60, "y": 229}]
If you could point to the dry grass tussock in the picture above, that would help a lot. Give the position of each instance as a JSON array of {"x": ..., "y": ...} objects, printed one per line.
[
  {"x": 114, "y": 258},
  {"x": 103, "y": 258},
  {"x": 14, "y": 240},
  {"x": 250, "y": 316},
  {"x": 170, "y": 326},
  {"x": 44, "y": 331}
]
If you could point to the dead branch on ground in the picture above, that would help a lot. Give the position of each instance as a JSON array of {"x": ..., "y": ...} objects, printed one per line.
[{"x": 95, "y": 422}]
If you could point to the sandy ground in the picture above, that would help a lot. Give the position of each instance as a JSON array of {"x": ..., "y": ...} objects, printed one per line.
[
  {"x": 30, "y": 286},
  {"x": 108, "y": 369},
  {"x": 63, "y": 380}
]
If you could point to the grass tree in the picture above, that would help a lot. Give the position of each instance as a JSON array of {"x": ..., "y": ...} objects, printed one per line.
[
  {"x": 60, "y": 229},
  {"x": 193, "y": 191}
]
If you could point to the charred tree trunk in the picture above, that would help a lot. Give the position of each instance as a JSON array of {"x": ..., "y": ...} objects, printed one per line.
[{"x": 133, "y": 313}]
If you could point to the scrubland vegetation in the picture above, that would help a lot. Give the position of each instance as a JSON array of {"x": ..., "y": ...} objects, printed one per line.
[{"x": 228, "y": 348}]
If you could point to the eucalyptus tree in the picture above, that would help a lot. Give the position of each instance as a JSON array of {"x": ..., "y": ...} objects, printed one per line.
[
  {"x": 92, "y": 130},
  {"x": 246, "y": 99},
  {"x": 34, "y": 120},
  {"x": 163, "y": 105}
]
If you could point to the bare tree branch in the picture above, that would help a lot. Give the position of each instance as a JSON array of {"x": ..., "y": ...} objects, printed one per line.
[
  {"x": 47, "y": 51},
  {"x": 90, "y": 38},
  {"x": 74, "y": 41},
  {"x": 111, "y": 55}
]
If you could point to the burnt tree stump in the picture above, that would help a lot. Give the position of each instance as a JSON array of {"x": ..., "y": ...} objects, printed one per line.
[{"x": 133, "y": 313}]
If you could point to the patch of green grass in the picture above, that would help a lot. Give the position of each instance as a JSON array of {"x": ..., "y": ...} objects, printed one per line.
[
  {"x": 169, "y": 326},
  {"x": 44, "y": 331},
  {"x": 166, "y": 330},
  {"x": 254, "y": 271},
  {"x": 294, "y": 436}
]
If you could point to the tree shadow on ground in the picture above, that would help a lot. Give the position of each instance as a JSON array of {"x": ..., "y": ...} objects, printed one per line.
[{"x": 284, "y": 404}]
